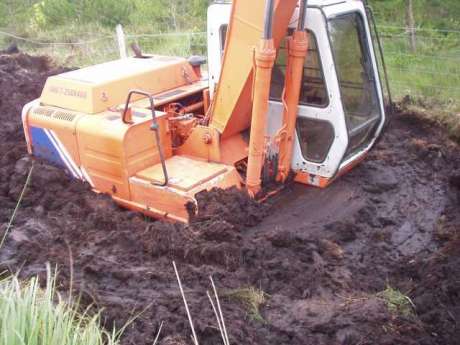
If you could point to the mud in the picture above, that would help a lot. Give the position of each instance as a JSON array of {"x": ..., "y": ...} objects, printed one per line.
[{"x": 320, "y": 256}]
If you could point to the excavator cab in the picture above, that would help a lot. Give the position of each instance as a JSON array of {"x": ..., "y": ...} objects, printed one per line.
[
  {"x": 292, "y": 90},
  {"x": 341, "y": 108}
]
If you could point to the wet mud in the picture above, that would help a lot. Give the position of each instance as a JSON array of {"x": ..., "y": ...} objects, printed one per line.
[{"x": 321, "y": 257}]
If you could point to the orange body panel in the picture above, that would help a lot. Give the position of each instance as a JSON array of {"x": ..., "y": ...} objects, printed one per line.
[
  {"x": 187, "y": 177},
  {"x": 111, "y": 151},
  {"x": 123, "y": 159},
  {"x": 233, "y": 149},
  {"x": 96, "y": 88},
  {"x": 312, "y": 180}
]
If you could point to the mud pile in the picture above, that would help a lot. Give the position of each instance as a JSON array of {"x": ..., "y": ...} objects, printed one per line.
[
  {"x": 321, "y": 257},
  {"x": 21, "y": 80}
]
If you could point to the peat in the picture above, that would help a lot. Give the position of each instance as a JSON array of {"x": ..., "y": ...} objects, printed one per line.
[{"x": 321, "y": 256}]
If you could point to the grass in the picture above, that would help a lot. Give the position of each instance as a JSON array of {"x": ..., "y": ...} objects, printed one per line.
[
  {"x": 83, "y": 51},
  {"x": 18, "y": 204},
  {"x": 397, "y": 302},
  {"x": 431, "y": 73},
  {"x": 252, "y": 299},
  {"x": 445, "y": 114},
  {"x": 84, "y": 45},
  {"x": 31, "y": 315}
]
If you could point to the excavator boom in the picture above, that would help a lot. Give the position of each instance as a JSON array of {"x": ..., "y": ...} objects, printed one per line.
[{"x": 231, "y": 108}]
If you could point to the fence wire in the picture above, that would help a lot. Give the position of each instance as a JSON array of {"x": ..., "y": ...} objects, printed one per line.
[{"x": 430, "y": 70}]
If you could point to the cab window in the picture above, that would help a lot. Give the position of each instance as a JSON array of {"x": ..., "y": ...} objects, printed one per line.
[
  {"x": 357, "y": 82},
  {"x": 313, "y": 89}
]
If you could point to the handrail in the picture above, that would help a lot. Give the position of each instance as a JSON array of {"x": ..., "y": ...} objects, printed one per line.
[{"x": 154, "y": 127}]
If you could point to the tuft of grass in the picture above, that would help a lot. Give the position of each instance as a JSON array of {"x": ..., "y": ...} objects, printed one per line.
[
  {"x": 35, "y": 316},
  {"x": 397, "y": 302},
  {"x": 252, "y": 299},
  {"x": 18, "y": 204}
]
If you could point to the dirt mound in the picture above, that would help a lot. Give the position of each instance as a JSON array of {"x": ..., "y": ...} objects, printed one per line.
[
  {"x": 232, "y": 206},
  {"x": 307, "y": 269}
]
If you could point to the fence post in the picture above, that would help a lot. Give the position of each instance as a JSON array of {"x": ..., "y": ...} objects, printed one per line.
[
  {"x": 121, "y": 42},
  {"x": 410, "y": 24}
]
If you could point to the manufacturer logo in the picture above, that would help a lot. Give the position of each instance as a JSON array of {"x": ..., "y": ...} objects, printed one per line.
[{"x": 68, "y": 92}]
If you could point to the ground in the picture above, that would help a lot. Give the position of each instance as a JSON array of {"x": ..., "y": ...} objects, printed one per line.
[{"x": 373, "y": 259}]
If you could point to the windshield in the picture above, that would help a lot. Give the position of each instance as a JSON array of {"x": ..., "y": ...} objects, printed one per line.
[{"x": 356, "y": 78}]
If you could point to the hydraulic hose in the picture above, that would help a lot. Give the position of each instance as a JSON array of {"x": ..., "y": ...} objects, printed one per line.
[
  {"x": 302, "y": 13},
  {"x": 268, "y": 25}
]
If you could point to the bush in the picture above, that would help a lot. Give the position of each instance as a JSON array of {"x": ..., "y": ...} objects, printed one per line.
[
  {"x": 34, "y": 316},
  {"x": 167, "y": 15},
  {"x": 106, "y": 12},
  {"x": 51, "y": 13}
]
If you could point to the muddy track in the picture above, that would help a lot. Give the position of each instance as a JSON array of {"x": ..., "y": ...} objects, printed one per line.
[{"x": 321, "y": 256}]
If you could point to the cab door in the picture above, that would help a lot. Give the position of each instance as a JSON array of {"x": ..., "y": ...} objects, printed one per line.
[
  {"x": 334, "y": 123},
  {"x": 321, "y": 130},
  {"x": 357, "y": 76}
]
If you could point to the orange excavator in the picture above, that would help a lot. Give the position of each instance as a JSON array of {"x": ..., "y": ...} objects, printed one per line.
[{"x": 292, "y": 90}]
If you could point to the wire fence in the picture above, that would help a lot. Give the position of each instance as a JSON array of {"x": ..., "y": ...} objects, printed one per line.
[
  {"x": 425, "y": 66},
  {"x": 93, "y": 49}
]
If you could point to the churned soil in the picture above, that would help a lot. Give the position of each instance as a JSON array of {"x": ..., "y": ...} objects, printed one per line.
[{"x": 320, "y": 258}]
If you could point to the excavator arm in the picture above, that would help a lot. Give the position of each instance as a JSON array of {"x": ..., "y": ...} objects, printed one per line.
[{"x": 232, "y": 104}]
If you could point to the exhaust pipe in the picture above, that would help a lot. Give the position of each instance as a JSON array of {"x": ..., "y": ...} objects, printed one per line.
[{"x": 265, "y": 56}]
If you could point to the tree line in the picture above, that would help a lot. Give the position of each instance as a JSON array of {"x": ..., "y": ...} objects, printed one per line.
[{"x": 190, "y": 15}]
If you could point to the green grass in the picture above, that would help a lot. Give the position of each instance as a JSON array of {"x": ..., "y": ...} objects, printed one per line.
[
  {"x": 18, "y": 205},
  {"x": 31, "y": 315},
  {"x": 432, "y": 73},
  {"x": 83, "y": 45},
  {"x": 397, "y": 302},
  {"x": 85, "y": 29},
  {"x": 252, "y": 299}
]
